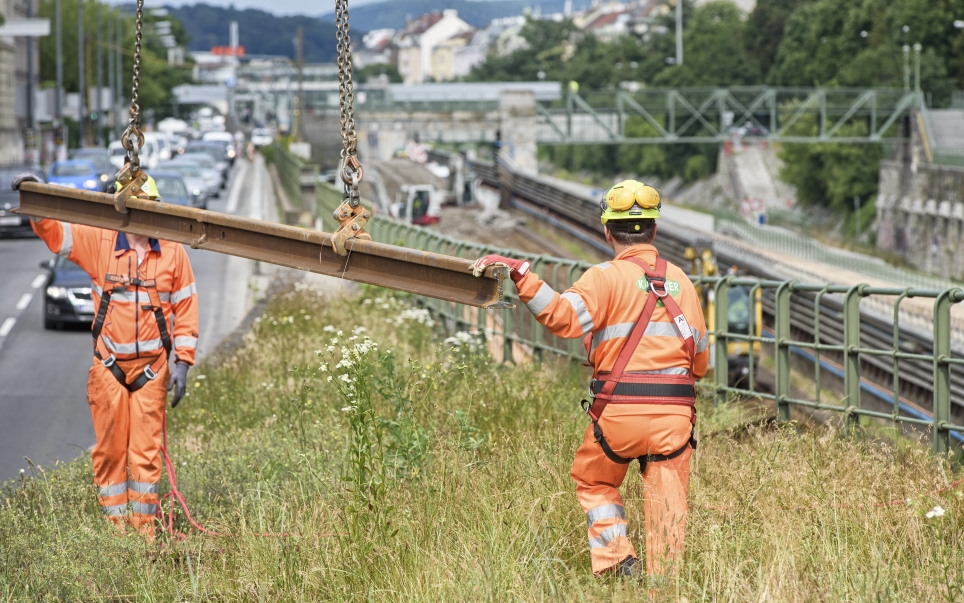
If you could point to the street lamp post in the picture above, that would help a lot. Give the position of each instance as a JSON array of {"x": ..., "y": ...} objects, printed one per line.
[
  {"x": 100, "y": 74},
  {"x": 81, "y": 107},
  {"x": 906, "y": 50},
  {"x": 917, "y": 48},
  {"x": 679, "y": 32},
  {"x": 111, "y": 72},
  {"x": 59, "y": 93}
]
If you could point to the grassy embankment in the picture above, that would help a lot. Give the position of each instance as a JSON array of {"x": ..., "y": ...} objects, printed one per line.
[{"x": 414, "y": 471}]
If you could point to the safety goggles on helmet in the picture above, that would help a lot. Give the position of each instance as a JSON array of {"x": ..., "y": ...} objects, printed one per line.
[{"x": 630, "y": 200}]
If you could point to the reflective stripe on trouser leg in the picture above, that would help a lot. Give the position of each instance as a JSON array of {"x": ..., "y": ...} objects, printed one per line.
[
  {"x": 665, "y": 485},
  {"x": 109, "y": 412},
  {"x": 597, "y": 488},
  {"x": 144, "y": 451}
]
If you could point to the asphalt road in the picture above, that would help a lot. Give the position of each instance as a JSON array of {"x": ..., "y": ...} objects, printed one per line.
[{"x": 44, "y": 413}]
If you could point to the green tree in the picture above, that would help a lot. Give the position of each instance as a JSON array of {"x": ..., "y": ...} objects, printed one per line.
[{"x": 764, "y": 30}]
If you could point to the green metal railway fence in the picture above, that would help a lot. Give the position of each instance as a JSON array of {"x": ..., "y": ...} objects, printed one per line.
[{"x": 514, "y": 332}]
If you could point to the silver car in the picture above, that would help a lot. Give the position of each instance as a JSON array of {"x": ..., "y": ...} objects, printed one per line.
[
  {"x": 197, "y": 187},
  {"x": 210, "y": 173}
]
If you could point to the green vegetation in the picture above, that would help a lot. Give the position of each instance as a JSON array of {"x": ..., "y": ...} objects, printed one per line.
[
  {"x": 261, "y": 32},
  {"x": 782, "y": 43},
  {"x": 157, "y": 77},
  {"x": 408, "y": 468}
]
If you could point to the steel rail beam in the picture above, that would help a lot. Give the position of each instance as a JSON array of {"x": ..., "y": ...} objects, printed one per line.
[{"x": 429, "y": 274}]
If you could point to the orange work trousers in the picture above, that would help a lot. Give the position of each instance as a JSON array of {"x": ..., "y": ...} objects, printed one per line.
[
  {"x": 127, "y": 455},
  {"x": 665, "y": 486}
]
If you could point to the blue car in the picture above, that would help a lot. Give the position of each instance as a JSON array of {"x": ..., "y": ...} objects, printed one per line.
[
  {"x": 75, "y": 173},
  {"x": 171, "y": 188}
]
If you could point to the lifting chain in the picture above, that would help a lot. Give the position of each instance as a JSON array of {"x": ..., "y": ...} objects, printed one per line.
[
  {"x": 351, "y": 216},
  {"x": 131, "y": 178}
]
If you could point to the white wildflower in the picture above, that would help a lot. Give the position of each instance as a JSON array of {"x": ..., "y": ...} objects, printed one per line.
[
  {"x": 347, "y": 409},
  {"x": 359, "y": 330},
  {"x": 367, "y": 302},
  {"x": 937, "y": 511},
  {"x": 329, "y": 378},
  {"x": 346, "y": 378},
  {"x": 201, "y": 377},
  {"x": 329, "y": 329},
  {"x": 323, "y": 368}
]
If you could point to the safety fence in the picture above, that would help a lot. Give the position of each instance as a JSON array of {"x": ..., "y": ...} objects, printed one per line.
[
  {"x": 810, "y": 354},
  {"x": 289, "y": 169}
]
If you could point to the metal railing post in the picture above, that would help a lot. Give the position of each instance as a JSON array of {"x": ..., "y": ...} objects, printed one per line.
[
  {"x": 942, "y": 371},
  {"x": 851, "y": 357},
  {"x": 721, "y": 361},
  {"x": 781, "y": 352}
]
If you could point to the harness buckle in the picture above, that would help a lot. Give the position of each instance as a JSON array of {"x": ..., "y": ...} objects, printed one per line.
[
  {"x": 150, "y": 373},
  {"x": 109, "y": 361},
  {"x": 662, "y": 286}
]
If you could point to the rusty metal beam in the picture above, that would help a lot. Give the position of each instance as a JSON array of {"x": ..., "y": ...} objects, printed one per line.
[{"x": 429, "y": 274}]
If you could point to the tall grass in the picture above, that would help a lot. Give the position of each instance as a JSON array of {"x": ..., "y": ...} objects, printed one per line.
[{"x": 403, "y": 466}]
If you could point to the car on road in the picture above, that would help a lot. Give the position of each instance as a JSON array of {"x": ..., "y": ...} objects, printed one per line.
[
  {"x": 171, "y": 188},
  {"x": 209, "y": 171},
  {"x": 225, "y": 138},
  {"x": 75, "y": 173},
  {"x": 261, "y": 137},
  {"x": 193, "y": 179},
  {"x": 216, "y": 151},
  {"x": 12, "y": 224},
  {"x": 148, "y": 154},
  {"x": 67, "y": 294},
  {"x": 101, "y": 160}
]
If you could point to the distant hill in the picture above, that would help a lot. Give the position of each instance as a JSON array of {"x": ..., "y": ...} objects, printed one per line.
[
  {"x": 260, "y": 32},
  {"x": 477, "y": 13}
]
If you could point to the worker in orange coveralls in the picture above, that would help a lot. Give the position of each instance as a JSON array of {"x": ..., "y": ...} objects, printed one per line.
[
  {"x": 647, "y": 343},
  {"x": 147, "y": 310}
]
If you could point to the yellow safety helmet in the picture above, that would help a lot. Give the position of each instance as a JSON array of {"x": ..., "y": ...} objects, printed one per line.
[
  {"x": 149, "y": 187},
  {"x": 630, "y": 200}
]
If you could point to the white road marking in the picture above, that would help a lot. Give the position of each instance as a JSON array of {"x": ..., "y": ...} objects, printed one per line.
[
  {"x": 24, "y": 301},
  {"x": 38, "y": 281},
  {"x": 7, "y": 326}
]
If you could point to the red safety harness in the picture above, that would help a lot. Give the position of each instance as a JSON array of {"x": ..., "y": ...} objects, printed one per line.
[
  {"x": 121, "y": 284},
  {"x": 616, "y": 387}
]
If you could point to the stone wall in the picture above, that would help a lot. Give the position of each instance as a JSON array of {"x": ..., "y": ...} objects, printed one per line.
[{"x": 920, "y": 210}]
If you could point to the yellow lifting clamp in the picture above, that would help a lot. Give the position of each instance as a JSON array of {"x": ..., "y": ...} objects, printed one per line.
[{"x": 351, "y": 215}]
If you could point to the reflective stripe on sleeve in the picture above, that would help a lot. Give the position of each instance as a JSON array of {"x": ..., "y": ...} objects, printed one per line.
[
  {"x": 68, "y": 242},
  {"x": 184, "y": 293},
  {"x": 98, "y": 290},
  {"x": 112, "y": 490},
  {"x": 605, "y": 512},
  {"x": 148, "y": 345},
  {"x": 702, "y": 341},
  {"x": 143, "y": 487},
  {"x": 582, "y": 314},
  {"x": 603, "y": 266},
  {"x": 541, "y": 300},
  {"x": 144, "y": 509},
  {"x": 184, "y": 341},
  {"x": 114, "y": 510},
  {"x": 607, "y": 536}
]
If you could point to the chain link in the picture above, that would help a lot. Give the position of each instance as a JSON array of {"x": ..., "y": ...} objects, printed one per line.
[
  {"x": 345, "y": 84},
  {"x": 133, "y": 139}
]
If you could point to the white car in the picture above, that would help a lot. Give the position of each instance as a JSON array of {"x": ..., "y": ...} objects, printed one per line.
[
  {"x": 148, "y": 154},
  {"x": 225, "y": 138},
  {"x": 261, "y": 137}
]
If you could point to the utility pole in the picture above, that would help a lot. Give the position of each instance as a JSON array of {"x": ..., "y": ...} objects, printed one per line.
[
  {"x": 100, "y": 75},
  {"x": 917, "y": 48},
  {"x": 30, "y": 74},
  {"x": 296, "y": 130},
  {"x": 906, "y": 68},
  {"x": 119, "y": 63},
  {"x": 111, "y": 72},
  {"x": 679, "y": 32},
  {"x": 82, "y": 105},
  {"x": 59, "y": 94}
]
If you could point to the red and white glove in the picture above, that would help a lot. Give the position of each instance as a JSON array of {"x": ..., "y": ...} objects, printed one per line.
[{"x": 517, "y": 268}]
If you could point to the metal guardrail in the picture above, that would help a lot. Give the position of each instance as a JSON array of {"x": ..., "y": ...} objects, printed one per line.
[{"x": 835, "y": 350}]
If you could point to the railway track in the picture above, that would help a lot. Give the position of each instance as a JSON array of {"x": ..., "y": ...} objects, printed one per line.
[{"x": 580, "y": 217}]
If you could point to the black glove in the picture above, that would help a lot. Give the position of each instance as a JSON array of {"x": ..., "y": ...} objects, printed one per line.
[
  {"x": 23, "y": 177},
  {"x": 178, "y": 382}
]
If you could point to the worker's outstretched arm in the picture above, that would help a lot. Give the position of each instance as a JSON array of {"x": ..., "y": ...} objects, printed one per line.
[
  {"x": 573, "y": 313},
  {"x": 185, "y": 307},
  {"x": 71, "y": 241}
]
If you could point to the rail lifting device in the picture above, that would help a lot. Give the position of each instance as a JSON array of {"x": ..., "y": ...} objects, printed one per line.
[{"x": 348, "y": 253}]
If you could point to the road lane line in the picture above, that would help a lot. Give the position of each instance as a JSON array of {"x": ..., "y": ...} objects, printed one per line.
[
  {"x": 24, "y": 301},
  {"x": 7, "y": 326},
  {"x": 38, "y": 281}
]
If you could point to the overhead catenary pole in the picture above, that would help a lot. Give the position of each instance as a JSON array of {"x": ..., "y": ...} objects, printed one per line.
[
  {"x": 679, "y": 32},
  {"x": 100, "y": 75},
  {"x": 59, "y": 93},
  {"x": 81, "y": 106},
  {"x": 111, "y": 80},
  {"x": 906, "y": 50},
  {"x": 296, "y": 130},
  {"x": 917, "y": 48}
]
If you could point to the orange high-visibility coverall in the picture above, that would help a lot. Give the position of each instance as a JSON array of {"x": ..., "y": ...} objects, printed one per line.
[
  {"x": 126, "y": 457},
  {"x": 606, "y": 302}
]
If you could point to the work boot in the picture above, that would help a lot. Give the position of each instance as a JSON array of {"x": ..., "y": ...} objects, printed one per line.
[{"x": 631, "y": 568}]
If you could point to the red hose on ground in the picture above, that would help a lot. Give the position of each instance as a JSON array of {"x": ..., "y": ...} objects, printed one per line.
[{"x": 175, "y": 495}]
